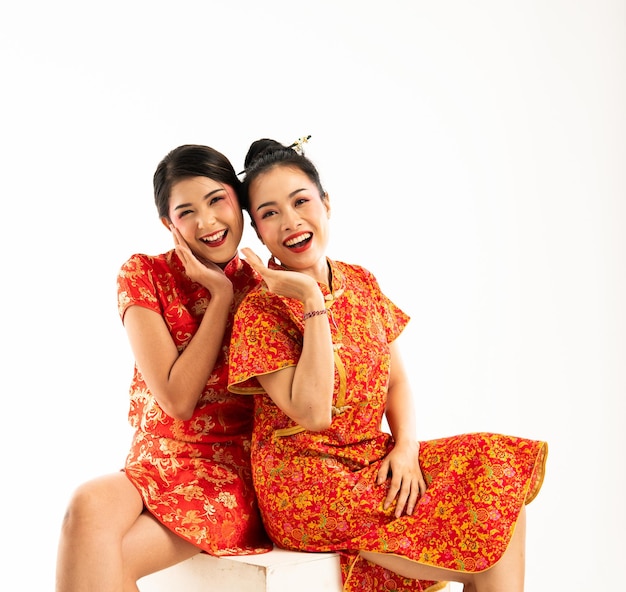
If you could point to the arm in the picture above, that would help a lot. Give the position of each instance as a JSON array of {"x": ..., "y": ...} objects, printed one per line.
[
  {"x": 177, "y": 380},
  {"x": 303, "y": 392},
  {"x": 407, "y": 482}
]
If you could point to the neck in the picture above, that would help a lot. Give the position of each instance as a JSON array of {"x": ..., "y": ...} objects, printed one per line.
[{"x": 321, "y": 273}]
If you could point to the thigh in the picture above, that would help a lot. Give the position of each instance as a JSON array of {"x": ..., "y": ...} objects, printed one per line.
[
  {"x": 110, "y": 504},
  {"x": 416, "y": 571},
  {"x": 149, "y": 546}
]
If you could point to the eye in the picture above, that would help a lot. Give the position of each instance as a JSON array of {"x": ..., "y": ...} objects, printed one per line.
[
  {"x": 216, "y": 198},
  {"x": 267, "y": 214},
  {"x": 183, "y": 213},
  {"x": 300, "y": 201}
]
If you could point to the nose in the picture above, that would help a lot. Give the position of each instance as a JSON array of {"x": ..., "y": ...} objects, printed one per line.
[
  {"x": 291, "y": 220},
  {"x": 207, "y": 219}
]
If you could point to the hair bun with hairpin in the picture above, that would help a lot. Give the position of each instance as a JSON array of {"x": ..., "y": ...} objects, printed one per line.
[
  {"x": 267, "y": 150},
  {"x": 298, "y": 145},
  {"x": 259, "y": 147}
]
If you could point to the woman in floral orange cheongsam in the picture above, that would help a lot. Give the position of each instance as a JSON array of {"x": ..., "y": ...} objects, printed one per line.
[
  {"x": 187, "y": 484},
  {"x": 316, "y": 347}
]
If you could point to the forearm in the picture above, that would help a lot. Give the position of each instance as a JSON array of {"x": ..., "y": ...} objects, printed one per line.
[
  {"x": 190, "y": 371},
  {"x": 303, "y": 392},
  {"x": 312, "y": 387},
  {"x": 401, "y": 416},
  {"x": 401, "y": 465},
  {"x": 400, "y": 412}
]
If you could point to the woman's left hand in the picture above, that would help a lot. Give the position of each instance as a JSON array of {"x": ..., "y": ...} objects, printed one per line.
[
  {"x": 202, "y": 271},
  {"x": 407, "y": 482}
]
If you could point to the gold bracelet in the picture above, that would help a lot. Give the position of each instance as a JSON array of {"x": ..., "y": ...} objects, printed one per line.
[{"x": 314, "y": 313}]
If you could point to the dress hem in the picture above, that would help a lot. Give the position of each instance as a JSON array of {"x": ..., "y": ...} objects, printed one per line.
[{"x": 225, "y": 552}]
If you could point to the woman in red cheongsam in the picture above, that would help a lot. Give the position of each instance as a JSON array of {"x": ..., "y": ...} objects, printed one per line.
[
  {"x": 187, "y": 485},
  {"x": 316, "y": 347}
]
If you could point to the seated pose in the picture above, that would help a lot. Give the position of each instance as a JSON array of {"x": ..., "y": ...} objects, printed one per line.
[
  {"x": 315, "y": 345},
  {"x": 187, "y": 484}
]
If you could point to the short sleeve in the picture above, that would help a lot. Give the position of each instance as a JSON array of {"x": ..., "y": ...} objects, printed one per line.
[
  {"x": 393, "y": 318},
  {"x": 266, "y": 337},
  {"x": 135, "y": 285}
]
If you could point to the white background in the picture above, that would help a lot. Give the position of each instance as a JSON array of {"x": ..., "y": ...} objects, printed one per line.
[{"x": 475, "y": 157}]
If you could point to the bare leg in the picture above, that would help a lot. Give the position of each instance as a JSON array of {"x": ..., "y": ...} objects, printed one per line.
[
  {"x": 149, "y": 547},
  {"x": 106, "y": 539},
  {"x": 417, "y": 571},
  {"x": 505, "y": 576},
  {"x": 508, "y": 574}
]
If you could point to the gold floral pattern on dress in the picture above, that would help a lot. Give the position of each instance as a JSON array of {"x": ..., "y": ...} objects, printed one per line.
[
  {"x": 194, "y": 476},
  {"x": 318, "y": 491}
]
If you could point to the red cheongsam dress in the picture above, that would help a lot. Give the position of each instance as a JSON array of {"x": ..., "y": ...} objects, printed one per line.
[
  {"x": 317, "y": 490},
  {"x": 194, "y": 476}
]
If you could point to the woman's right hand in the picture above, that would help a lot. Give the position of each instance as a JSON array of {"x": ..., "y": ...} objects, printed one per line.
[
  {"x": 205, "y": 272},
  {"x": 291, "y": 284}
]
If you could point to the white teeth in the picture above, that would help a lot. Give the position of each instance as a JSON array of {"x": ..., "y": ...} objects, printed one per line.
[
  {"x": 214, "y": 237},
  {"x": 299, "y": 239}
]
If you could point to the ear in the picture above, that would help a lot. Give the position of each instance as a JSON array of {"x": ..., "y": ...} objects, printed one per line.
[
  {"x": 166, "y": 222},
  {"x": 326, "y": 202},
  {"x": 257, "y": 232}
]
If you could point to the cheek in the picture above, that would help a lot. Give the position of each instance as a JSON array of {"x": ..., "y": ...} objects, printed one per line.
[
  {"x": 234, "y": 212},
  {"x": 186, "y": 227},
  {"x": 238, "y": 220},
  {"x": 263, "y": 230}
]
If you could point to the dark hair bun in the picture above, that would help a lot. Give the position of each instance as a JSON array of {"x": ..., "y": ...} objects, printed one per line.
[{"x": 260, "y": 147}]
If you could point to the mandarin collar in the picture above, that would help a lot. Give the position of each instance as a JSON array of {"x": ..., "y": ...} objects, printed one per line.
[{"x": 234, "y": 266}]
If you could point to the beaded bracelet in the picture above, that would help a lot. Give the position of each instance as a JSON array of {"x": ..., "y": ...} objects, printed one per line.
[{"x": 314, "y": 313}]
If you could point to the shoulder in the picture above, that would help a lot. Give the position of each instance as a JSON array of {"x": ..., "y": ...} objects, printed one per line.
[
  {"x": 148, "y": 271},
  {"x": 151, "y": 281},
  {"x": 259, "y": 297},
  {"x": 262, "y": 306},
  {"x": 136, "y": 261},
  {"x": 354, "y": 272},
  {"x": 143, "y": 262},
  {"x": 351, "y": 267}
]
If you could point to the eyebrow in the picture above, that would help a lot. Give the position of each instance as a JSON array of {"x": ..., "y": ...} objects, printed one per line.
[
  {"x": 209, "y": 194},
  {"x": 271, "y": 203}
]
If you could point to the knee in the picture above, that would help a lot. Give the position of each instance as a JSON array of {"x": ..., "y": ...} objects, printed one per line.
[{"x": 85, "y": 508}]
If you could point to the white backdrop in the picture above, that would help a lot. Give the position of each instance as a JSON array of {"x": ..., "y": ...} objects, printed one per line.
[{"x": 474, "y": 153}]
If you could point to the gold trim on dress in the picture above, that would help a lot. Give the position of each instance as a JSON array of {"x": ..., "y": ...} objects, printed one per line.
[
  {"x": 281, "y": 433},
  {"x": 340, "y": 405}
]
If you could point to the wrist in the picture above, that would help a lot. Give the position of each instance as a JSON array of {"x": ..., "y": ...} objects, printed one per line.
[
  {"x": 314, "y": 313},
  {"x": 222, "y": 299},
  {"x": 406, "y": 441},
  {"x": 314, "y": 302}
]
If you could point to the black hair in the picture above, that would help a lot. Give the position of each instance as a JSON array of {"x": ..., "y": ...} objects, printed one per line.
[
  {"x": 191, "y": 160},
  {"x": 265, "y": 154}
]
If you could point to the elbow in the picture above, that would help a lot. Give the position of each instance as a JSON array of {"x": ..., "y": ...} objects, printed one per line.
[
  {"x": 184, "y": 416},
  {"x": 312, "y": 408},
  {"x": 179, "y": 412},
  {"x": 320, "y": 426},
  {"x": 317, "y": 422}
]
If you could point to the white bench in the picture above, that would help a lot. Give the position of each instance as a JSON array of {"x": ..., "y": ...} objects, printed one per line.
[{"x": 276, "y": 571}]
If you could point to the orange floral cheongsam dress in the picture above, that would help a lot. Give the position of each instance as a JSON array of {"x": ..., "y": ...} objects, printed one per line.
[
  {"x": 317, "y": 490},
  {"x": 194, "y": 476}
]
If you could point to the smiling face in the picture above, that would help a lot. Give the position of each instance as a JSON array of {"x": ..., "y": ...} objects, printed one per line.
[
  {"x": 291, "y": 218},
  {"x": 207, "y": 214}
]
